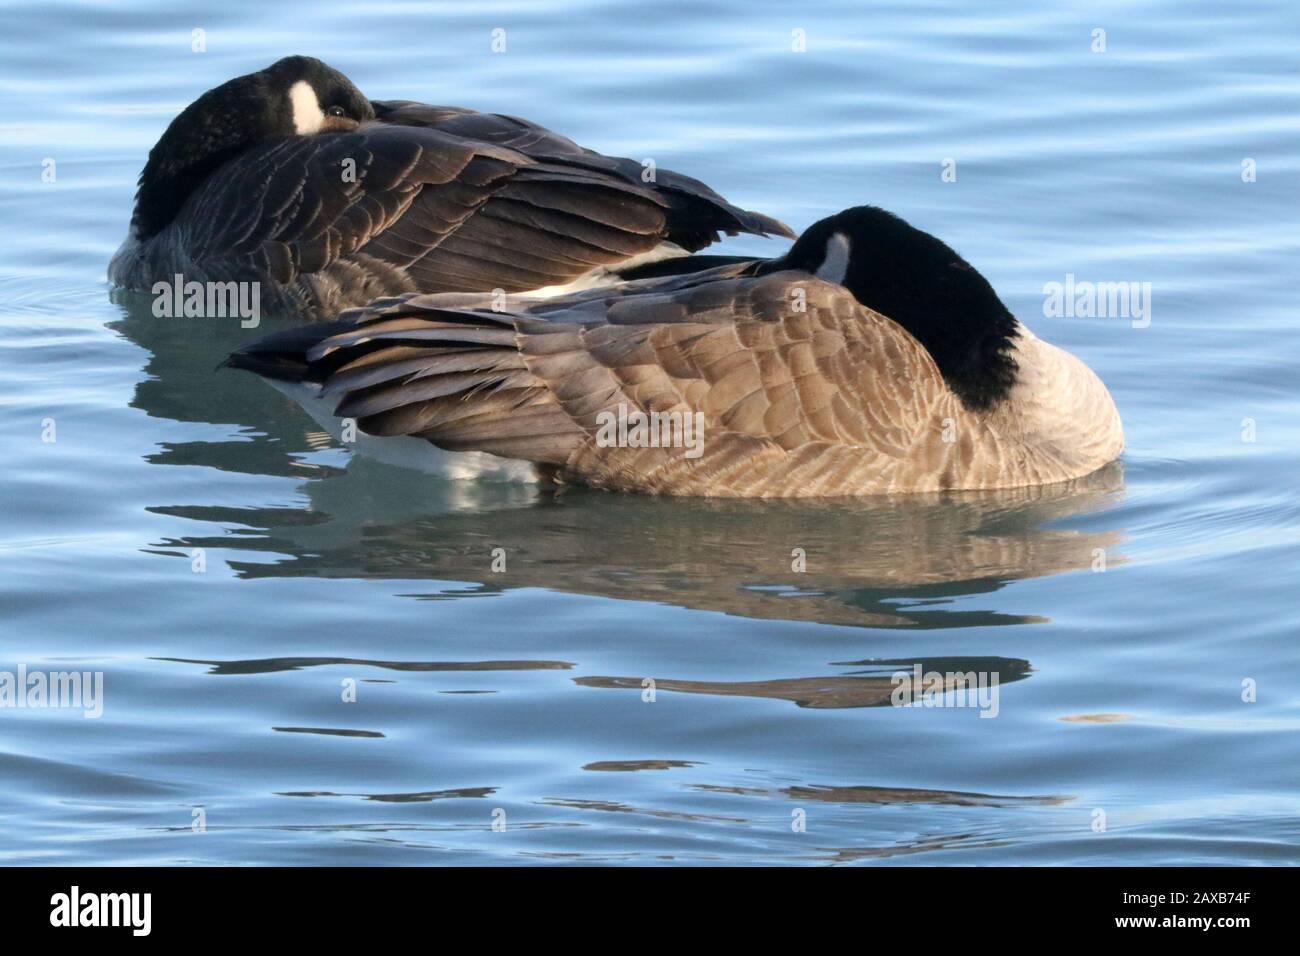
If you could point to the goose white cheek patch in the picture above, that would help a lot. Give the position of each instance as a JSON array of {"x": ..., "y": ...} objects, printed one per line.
[
  {"x": 836, "y": 263},
  {"x": 307, "y": 114}
]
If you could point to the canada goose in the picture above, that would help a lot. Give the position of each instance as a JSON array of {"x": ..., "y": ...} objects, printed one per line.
[
  {"x": 293, "y": 179},
  {"x": 870, "y": 358}
]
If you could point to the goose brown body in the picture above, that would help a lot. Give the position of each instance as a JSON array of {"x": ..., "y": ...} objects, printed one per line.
[
  {"x": 381, "y": 198},
  {"x": 804, "y": 391}
]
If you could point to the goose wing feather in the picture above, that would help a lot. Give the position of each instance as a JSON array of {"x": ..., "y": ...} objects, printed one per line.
[
  {"x": 694, "y": 213},
  {"x": 307, "y": 204},
  {"x": 801, "y": 389},
  {"x": 432, "y": 199}
]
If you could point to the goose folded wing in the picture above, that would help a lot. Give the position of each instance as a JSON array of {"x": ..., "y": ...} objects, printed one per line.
[
  {"x": 456, "y": 200},
  {"x": 782, "y": 368},
  {"x": 782, "y": 360},
  {"x": 689, "y": 214},
  {"x": 296, "y": 205}
]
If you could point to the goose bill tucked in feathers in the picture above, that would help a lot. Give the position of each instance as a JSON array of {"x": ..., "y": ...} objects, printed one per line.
[
  {"x": 291, "y": 177},
  {"x": 805, "y": 386}
]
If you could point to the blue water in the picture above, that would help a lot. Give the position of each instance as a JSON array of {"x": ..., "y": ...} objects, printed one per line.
[{"x": 515, "y": 698}]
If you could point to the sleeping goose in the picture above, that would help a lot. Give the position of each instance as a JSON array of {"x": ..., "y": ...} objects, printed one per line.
[
  {"x": 291, "y": 178},
  {"x": 871, "y": 358}
]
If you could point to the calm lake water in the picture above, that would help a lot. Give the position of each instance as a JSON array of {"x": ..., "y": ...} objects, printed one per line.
[{"x": 229, "y": 568}]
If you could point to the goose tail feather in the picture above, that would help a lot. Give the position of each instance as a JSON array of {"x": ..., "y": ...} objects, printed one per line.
[{"x": 453, "y": 376}]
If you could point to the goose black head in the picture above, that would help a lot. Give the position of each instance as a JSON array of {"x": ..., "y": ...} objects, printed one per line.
[
  {"x": 918, "y": 281},
  {"x": 295, "y": 96}
]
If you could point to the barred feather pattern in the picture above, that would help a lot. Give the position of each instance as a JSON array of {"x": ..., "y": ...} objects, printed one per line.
[
  {"x": 803, "y": 391},
  {"x": 424, "y": 199}
]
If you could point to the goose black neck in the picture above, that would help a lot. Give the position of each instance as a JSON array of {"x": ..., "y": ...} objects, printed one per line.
[
  {"x": 211, "y": 131},
  {"x": 920, "y": 283}
]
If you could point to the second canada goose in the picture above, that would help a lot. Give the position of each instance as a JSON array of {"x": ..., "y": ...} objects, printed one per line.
[
  {"x": 290, "y": 177},
  {"x": 870, "y": 358}
]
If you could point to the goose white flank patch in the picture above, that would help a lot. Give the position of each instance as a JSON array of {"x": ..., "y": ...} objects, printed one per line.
[
  {"x": 409, "y": 452},
  {"x": 907, "y": 375},
  {"x": 292, "y": 178}
]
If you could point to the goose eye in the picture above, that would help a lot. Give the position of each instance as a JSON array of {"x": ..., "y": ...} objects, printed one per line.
[{"x": 334, "y": 111}]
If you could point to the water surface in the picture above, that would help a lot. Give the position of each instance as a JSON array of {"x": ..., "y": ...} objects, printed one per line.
[{"x": 517, "y": 697}]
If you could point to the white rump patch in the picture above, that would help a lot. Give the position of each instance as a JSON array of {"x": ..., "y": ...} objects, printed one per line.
[
  {"x": 407, "y": 451},
  {"x": 307, "y": 114},
  {"x": 836, "y": 263}
]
